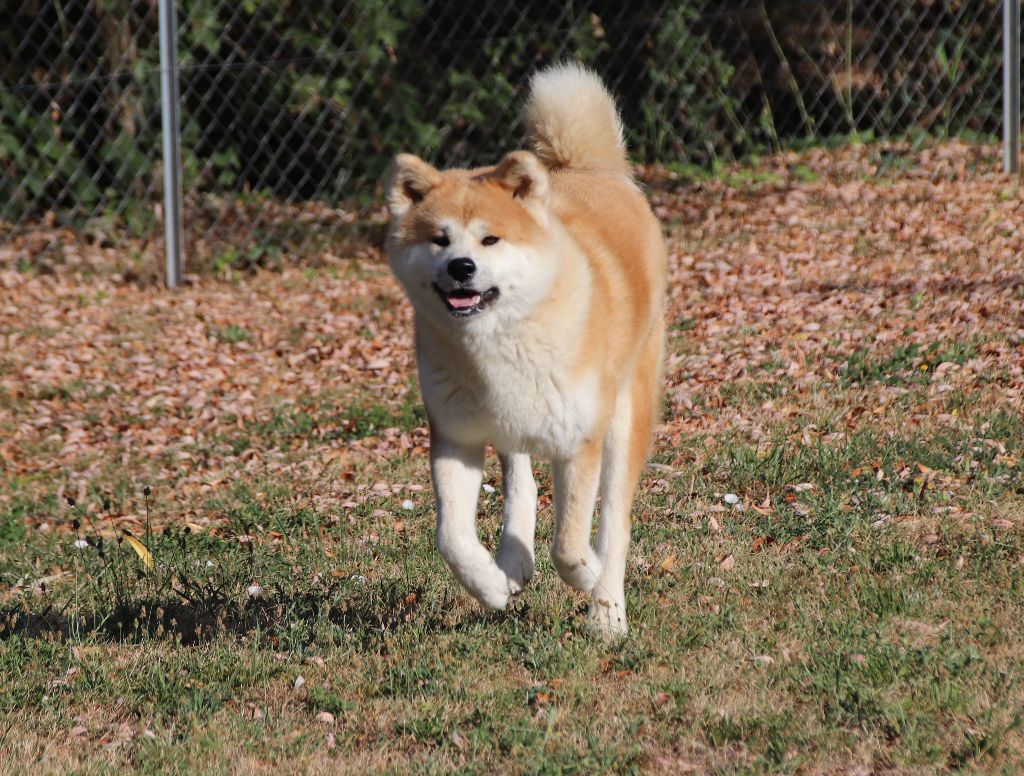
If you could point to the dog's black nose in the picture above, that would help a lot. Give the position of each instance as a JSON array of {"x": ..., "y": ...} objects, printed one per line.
[{"x": 461, "y": 270}]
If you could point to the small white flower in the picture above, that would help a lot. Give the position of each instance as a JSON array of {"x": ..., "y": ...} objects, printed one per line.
[
  {"x": 731, "y": 498},
  {"x": 254, "y": 590},
  {"x": 488, "y": 488},
  {"x": 358, "y": 578},
  {"x": 407, "y": 504},
  {"x": 81, "y": 544},
  {"x": 209, "y": 564}
]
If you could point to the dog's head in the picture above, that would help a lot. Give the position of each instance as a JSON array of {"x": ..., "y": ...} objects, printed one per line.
[{"x": 472, "y": 247}]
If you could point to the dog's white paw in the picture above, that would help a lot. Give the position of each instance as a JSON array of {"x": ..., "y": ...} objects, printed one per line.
[
  {"x": 579, "y": 572},
  {"x": 494, "y": 589},
  {"x": 494, "y": 600},
  {"x": 606, "y": 619},
  {"x": 516, "y": 561}
]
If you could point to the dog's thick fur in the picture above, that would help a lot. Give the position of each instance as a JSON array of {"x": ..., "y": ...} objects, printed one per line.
[{"x": 551, "y": 347}]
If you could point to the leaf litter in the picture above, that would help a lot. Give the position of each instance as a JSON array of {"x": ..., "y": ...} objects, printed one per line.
[{"x": 784, "y": 282}]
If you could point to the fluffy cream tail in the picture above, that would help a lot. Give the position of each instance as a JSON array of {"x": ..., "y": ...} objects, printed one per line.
[{"x": 573, "y": 122}]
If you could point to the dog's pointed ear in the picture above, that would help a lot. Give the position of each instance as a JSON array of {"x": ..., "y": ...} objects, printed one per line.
[
  {"x": 410, "y": 180},
  {"x": 525, "y": 176}
]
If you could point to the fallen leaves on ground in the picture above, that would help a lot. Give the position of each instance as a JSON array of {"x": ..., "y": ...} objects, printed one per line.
[{"x": 782, "y": 279}]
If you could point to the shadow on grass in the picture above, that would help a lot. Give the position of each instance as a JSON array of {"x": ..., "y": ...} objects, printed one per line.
[
  {"x": 273, "y": 616},
  {"x": 948, "y": 285}
]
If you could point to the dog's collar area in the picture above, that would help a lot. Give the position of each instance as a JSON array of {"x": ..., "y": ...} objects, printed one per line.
[{"x": 464, "y": 302}]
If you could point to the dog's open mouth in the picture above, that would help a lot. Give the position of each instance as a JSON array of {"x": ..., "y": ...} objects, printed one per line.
[{"x": 464, "y": 302}]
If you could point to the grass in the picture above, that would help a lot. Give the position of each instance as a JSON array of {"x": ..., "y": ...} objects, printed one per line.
[
  {"x": 905, "y": 363},
  {"x": 231, "y": 334},
  {"x": 856, "y": 610},
  {"x": 868, "y": 608},
  {"x": 328, "y": 418}
]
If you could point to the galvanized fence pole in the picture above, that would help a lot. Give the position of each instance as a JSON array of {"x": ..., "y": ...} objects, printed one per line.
[
  {"x": 1011, "y": 86},
  {"x": 169, "y": 101}
]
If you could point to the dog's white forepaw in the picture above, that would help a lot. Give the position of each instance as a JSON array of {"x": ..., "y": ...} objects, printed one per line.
[
  {"x": 492, "y": 587},
  {"x": 477, "y": 572},
  {"x": 516, "y": 561},
  {"x": 493, "y": 600},
  {"x": 606, "y": 619},
  {"x": 494, "y": 592}
]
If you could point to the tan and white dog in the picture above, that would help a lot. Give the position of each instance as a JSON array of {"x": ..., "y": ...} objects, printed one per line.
[{"x": 538, "y": 288}]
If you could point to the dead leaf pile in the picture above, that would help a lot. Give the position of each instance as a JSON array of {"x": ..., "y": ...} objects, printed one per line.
[{"x": 781, "y": 281}]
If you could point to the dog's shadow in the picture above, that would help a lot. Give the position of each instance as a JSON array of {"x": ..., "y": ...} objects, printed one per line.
[{"x": 364, "y": 612}]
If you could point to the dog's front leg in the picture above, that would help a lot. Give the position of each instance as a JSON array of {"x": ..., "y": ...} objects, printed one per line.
[
  {"x": 458, "y": 471},
  {"x": 576, "y": 480},
  {"x": 515, "y": 556}
]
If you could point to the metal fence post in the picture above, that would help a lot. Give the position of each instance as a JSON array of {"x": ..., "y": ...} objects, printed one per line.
[
  {"x": 169, "y": 101},
  {"x": 1011, "y": 86}
]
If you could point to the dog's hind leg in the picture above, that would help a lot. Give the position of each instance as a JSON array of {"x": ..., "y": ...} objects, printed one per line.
[
  {"x": 625, "y": 450},
  {"x": 607, "y": 615},
  {"x": 457, "y": 473},
  {"x": 515, "y": 555},
  {"x": 575, "y": 492}
]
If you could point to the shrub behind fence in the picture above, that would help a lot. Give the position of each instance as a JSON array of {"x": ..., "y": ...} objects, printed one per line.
[{"x": 291, "y": 111}]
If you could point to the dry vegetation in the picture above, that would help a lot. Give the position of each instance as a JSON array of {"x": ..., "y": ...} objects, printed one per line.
[{"x": 846, "y": 358}]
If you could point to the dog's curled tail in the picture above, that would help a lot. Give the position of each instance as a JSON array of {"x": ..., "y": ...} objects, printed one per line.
[{"x": 573, "y": 122}]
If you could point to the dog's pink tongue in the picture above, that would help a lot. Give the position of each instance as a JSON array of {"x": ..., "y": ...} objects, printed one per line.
[{"x": 460, "y": 302}]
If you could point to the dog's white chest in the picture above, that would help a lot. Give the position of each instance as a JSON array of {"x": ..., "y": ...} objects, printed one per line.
[{"x": 519, "y": 395}]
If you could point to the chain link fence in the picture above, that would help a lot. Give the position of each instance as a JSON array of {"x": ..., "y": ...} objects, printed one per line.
[{"x": 292, "y": 110}]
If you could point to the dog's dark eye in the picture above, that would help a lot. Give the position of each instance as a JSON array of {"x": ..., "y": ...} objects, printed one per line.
[
  {"x": 490, "y": 240},
  {"x": 442, "y": 240}
]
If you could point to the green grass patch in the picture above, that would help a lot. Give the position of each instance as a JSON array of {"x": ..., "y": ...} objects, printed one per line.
[
  {"x": 905, "y": 364},
  {"x": 231, "y": 334},
  {"x": 328, "y": 420},
  {"x": 820, "y": 630}
]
